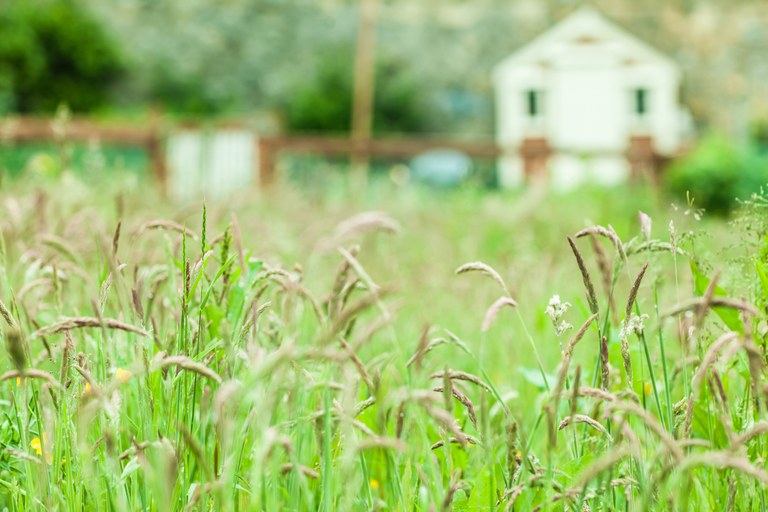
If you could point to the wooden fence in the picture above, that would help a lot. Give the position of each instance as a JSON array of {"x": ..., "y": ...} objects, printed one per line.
[
  {"x": 271, "y": 147},
  {"x": 230, "y": 149},
  {"x": 15, "y": 130}
]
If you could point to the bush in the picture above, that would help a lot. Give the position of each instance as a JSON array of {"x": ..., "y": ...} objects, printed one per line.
[
  {"x": 52, "y": 52},
  {"x": 717, "y": 173},
  {"x": 324, "y": 103}
]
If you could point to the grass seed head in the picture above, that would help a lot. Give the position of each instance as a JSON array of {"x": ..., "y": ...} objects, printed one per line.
[
  {"x": 16, "y": 347},
  {"x": 493, "y": 311},
  {"x": 590, "y": 289},
  {"x": 483, "y": 268}
]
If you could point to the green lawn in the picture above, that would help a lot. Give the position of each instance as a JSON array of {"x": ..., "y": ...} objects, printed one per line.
[
  {"x": 45, "y": 159},
  {"x": 286, "y": 353}
]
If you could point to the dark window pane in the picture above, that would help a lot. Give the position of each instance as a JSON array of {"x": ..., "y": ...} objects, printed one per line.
[
  {"x": 641, "y": 101},
  {"x": 532, "y": 100}
]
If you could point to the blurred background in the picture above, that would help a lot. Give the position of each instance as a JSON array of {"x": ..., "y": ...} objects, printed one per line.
[{"x": 213, "y": 95}]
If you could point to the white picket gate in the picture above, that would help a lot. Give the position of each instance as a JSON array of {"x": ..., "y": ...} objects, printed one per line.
[{"x": 210, "y": 164}]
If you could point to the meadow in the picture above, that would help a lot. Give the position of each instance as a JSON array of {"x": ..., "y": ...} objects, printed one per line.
[{"x": 402, "y": 349}]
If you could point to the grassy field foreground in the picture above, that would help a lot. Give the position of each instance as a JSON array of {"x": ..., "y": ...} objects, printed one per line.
[{"x": 408, "y": 351}]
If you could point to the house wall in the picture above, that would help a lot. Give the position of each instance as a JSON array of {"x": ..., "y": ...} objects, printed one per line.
[{"x": 588, "y": 115}]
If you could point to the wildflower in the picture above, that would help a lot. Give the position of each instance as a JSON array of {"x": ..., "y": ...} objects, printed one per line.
[
  {"x": 555, "y": 310},
  {"x": 635, "y": 324},
  {"x": 38, "y": 446},
  {"x": 374, "y": 484},
  {"x": 648, "y": 388},
  {"x": 122, "y": 376},
  {"x": 35, "y": 444}
]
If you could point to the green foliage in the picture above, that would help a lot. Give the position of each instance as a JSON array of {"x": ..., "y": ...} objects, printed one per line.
[
  {"x": 34, "y": 161},
  {"x": 701, "y": 283},
  {"x": 717, "y": 173},
  {"x": 52, "y": 52},
  {"x": 759, "y": 134},
  {"x": 324, "y": 102},
  {"x": 185, "y": 94}
]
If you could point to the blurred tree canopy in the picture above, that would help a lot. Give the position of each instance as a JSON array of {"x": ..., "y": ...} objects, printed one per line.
[
  {"x": 284, "y": 56},
  {"x": 52, "y": 51},
  {"x": 206, "y": 56}
]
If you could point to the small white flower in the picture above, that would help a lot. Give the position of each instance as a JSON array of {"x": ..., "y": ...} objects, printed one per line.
[
  {"x": 562, "y": 327},
  {"x": 635, "y": 324},
  {"x": 555, "y": 311}
]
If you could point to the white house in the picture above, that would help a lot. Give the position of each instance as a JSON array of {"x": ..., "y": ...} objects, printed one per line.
[{"x": 571, "y": 104}]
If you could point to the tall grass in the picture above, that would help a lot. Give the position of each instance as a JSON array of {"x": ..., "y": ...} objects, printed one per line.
[{"x": 281, "y": 355}]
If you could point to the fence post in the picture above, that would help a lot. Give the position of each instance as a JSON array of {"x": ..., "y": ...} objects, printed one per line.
[
  {"x": 266, "y": 149},
  {"x": 643, "y": 159},
  {"x": 535, "y": 152},
  {"x": 157, "y": 159}
]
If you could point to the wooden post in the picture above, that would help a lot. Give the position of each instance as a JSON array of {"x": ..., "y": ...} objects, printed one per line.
[
  {"x": 266, "y": 151},
  {"x": 643, "y": 159},
  {"x": 535, "y": 152},
  {"x": 157, "y": 159},
  {"x": 364, "y": 86}
]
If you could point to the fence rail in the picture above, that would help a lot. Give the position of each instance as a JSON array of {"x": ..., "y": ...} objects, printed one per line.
[
  {"x": 271, "y": 147},
  {"x": 157, "y": 137},
  {"x": 37, "y": 129}
]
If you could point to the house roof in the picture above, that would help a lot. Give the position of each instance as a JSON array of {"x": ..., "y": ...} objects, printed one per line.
[{"x": 586, "y": 24}]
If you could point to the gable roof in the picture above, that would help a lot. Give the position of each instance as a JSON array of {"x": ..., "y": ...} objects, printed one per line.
[{"x": 585, "y": 22}]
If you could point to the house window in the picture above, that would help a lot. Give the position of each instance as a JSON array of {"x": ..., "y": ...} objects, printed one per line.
[
  {"x": 641, "y": 101},
  {"x": 533, "y": 103}
]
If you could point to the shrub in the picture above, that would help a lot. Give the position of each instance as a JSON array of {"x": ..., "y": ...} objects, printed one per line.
[
  {"x": 324, "y": 103},
  {"x": 52, "y": 51},
  {"x": 716, "y": 173}
]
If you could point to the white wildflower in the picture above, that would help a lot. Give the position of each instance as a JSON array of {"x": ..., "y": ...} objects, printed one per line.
[
  {"x": 634, "y": 325},
  {"x": 555, "y": 311},
  {"x": 562, "y": 327}
]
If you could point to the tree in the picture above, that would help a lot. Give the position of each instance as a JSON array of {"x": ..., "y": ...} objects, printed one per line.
[
  {"x": 324, "y": 102},
  {"x": 52, "y": 51}
]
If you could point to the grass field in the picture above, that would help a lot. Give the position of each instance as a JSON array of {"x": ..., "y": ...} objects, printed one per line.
[{"x": 314, "y": 350}]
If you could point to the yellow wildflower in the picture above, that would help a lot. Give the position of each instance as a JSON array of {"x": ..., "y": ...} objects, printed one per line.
[
  {"x": 38, "y": 446},
  {"x": 374, "y": 484},
  {"x": 648, "y": 388},
  {"x": 122, "y": 375}
]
